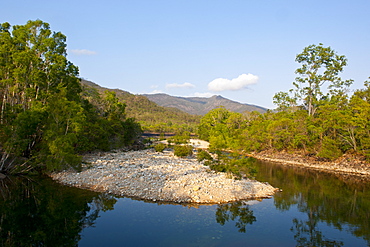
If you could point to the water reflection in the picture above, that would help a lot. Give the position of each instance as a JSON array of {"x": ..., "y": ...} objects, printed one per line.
[
  {"x": 342, "y": 202},
  {"x": 41, "y": 212},
  {"x": 306, "y": 233},
  {"x": 313, "y": 209},
  {"x": 238, "y": 212}
]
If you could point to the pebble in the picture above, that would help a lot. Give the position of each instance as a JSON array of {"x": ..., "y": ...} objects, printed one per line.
[{"x": 150, "y": 175}]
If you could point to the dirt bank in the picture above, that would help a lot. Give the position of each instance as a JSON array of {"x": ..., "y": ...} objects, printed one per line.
[{"x": 347, "y": 164}]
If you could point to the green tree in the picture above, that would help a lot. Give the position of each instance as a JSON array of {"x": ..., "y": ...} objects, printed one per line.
[
  {"x": 319, "y": 65},
  {"x": 45, "y": 117},
  {"x": 34, "y": 70},
  {"x": 284, "y": 102},
  {"x": 213, "y": 128},
  {"x": 360, "y": 106}
]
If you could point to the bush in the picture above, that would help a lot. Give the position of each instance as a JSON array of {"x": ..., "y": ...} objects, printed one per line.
[
  {"x": 239, "y": 166},
  {"x": 183, "y": 151},
  {"x": 181, "y": 138},
  {"x": 160, "y": 147},
  {"x": 329, "y": 149},
  {"x": 203, "y": 155}
]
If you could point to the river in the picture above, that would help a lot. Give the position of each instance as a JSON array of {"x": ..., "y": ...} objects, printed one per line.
[{"x": 313, "y": 209}]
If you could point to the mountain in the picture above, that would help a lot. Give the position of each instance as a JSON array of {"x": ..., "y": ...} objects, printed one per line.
[
  {"x": 143, "y": 110},
  {"x": 199, "y": 105}
]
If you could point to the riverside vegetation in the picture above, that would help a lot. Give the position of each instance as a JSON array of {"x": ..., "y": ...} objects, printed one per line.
[
  {"x": 317, "y": 119},
  {"x": 47, "y": 119}
]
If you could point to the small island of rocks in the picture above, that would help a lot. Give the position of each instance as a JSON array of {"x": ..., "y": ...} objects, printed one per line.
[{"x": 160, "y": 176}]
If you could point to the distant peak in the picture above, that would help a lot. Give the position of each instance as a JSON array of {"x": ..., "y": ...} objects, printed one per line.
[{"x": 217, "y": 97}]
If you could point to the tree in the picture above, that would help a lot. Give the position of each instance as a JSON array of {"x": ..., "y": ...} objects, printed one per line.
[
  {"x": 360, "y": 105},
  {"x": 34, "y": 72},
  {"x": 45, "y": 120},
  {"x": 213, "y": 128},
  {"x": 319, "y": 65},
  {"x": 284, "y": 102}
]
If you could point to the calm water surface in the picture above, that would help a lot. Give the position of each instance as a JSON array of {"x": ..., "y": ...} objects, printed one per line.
[{"x": 314, "y": 209}]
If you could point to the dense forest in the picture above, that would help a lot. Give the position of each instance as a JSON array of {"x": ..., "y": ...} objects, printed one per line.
[
  {"x": 319, "y": 116},
  {"x": 46, "y": 119}
]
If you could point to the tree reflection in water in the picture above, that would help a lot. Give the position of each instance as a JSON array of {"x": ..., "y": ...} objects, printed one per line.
[
  {"x": 341, "y": 202},
  {"x": 307, "y": 234},
  {"x": 40, "y": 212},
  {"x": 237, "y": 211}
]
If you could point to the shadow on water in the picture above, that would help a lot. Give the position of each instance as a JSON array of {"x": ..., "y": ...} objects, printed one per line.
[
  {"x": 340, "y": 201},
  {"x": 40, "y": 212}
]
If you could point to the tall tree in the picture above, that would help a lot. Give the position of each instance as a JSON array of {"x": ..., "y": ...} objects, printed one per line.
[
  {"x": 319, "y": 65},
  {"x": 35, "y": 75},
  {"x": 45, "y": 120}
]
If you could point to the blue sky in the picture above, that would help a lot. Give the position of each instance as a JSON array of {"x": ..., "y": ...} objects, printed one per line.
[{"x": 242, "y": 50}]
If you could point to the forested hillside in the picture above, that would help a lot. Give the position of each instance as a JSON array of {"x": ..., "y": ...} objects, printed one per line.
[
  {"x": 45, "y": 119},
  {"x": 201, "y": 105},
  {"x": 318, "y": 116},
  {"x": 151, "y": 116}
]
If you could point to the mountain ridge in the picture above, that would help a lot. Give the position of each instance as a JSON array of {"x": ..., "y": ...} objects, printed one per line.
[
  {"x": 201, "y": 105},
  {"x": 148, "y": 113}
]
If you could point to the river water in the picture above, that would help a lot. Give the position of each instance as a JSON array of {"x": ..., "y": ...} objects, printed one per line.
[{"x": 313, "y": 209}]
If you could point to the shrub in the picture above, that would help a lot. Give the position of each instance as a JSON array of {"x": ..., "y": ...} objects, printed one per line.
[
  {"x": 239, "y": 166},
  {"x": 183, "y": 151},
  {"x": 160, "y": 147},
  {"x": 329, "y": 149},
  {"x": 203, "y": 155},
  {"x": 181, "y": 137}
]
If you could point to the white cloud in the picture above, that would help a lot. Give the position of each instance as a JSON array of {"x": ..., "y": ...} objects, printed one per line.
[
  {"x": 83, "y": 52},
  {"x": 242, "y": 82},
  {"x": 202, "y": 95},
  {"x": 155, "y": 92},
  {"x": 176, "y": 85}
]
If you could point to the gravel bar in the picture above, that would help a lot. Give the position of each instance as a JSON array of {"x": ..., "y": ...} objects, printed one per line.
[{"x": 154, "y": 176}]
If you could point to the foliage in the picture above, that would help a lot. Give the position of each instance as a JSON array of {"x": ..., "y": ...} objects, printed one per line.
[
  {"x": 203, "y": 155},
  {"x": 183, "y": 150},
  {"x": 153, "y": 118},
  {"x": 319, "y": 65},
  {"x": 329, "y": 149},
  {"x": 46, "y": 119},
  {"x": 222, "y": 128},
  {"x": 160, "y": 147},
  {"x": 237, "y": 165},
  {"x": 181, "y": 137},
  {"x": 325, "y": 122}
]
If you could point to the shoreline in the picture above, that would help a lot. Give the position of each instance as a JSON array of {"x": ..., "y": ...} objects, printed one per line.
[
  {"x": 161, "y": 177},
  {"x": 345, "y": 165}
]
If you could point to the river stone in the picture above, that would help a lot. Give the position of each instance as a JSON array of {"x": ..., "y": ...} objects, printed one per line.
[
  {"x": 147, "y": 175},
  {"x": 196, "y": 188}
]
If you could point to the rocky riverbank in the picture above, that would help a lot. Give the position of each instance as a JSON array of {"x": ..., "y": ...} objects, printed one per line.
[
  {"x": 149, "y": 175},
  {"x": 347, "y": 164}
]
